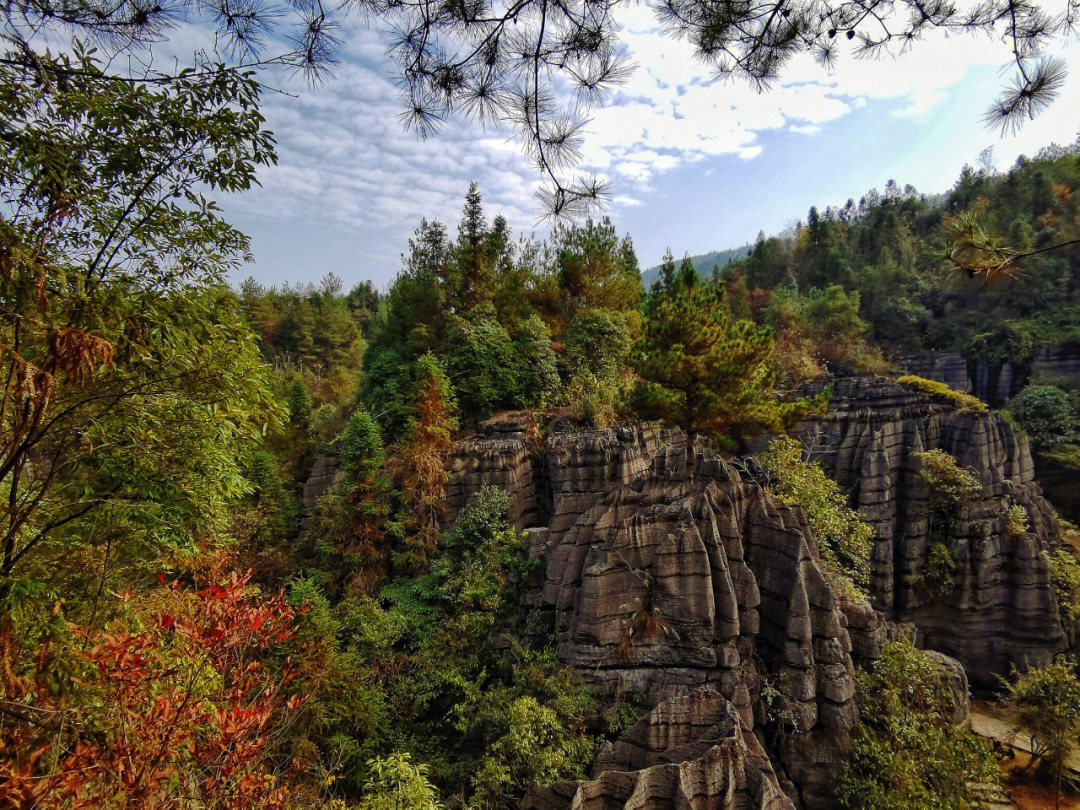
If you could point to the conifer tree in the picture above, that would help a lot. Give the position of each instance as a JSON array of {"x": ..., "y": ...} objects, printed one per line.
[
  {"x": 363, "y": 460},
  {"x": 703, "y": 370},
  {"x": 473, "y": 254},
  {"x": 419, "y": 466}
]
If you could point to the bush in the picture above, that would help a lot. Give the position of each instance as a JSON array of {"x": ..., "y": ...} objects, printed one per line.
[
  {"x": 1065, "y": 578},
  {"x": 941, "y": 392},
  {"x": 908, "y": 755},
  {"x": 1045, "y": 414},
  {"x": 845, "y": 541},
  {"x": 482, "y": 361},
  {"x": 950, "y": 484},
  {"x": 397, "y": 783},
  {"x": 538, "y": 372}
]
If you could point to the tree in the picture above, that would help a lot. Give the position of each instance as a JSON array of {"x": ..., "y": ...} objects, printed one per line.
[
  {"x": 418, "y": 464},
  {"x": 703, "y": 371},
  {"x": 1045, "y": 413},
  {"x": 507, "y": 63},
  {"x": 1047, "y": 704},
  {"x": 175, "y": 706},
  {"x": 481, "y": 360},
  {"x": 133, "y": 386},
  {"x": 474, "y": 259},
  {"x": 363, "y": 460},
  {"x": 910, "y": 753}
]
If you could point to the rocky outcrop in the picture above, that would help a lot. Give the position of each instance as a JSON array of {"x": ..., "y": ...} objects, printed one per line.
[
  {"x": 664, "y": 570},
  {"x": 950, "y": 368},
  {"x": 1001, "y": 611},
  {"x": 667, "y": 572},
  {"x": 690, "y": 751}
]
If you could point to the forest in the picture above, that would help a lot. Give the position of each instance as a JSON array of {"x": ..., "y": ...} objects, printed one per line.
[{"x": 524, "y": 528}]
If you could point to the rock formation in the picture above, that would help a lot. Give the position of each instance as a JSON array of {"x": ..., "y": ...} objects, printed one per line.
[
  {"x": 665, "y": 571},
  {"x": 690, "y": 751},
  {"x": 1002, "y": 610}
]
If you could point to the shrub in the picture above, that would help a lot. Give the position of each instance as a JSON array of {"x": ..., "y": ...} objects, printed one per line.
[
  {"x": 538, "y": 372},
  {"x": 397, "y": 783},
  {"x": 908, "y": 755},
  {"x": 1065, "y": 578},
  {"x": 1016, "y": 521},
  {"x": 1045, "y": 414},
  {"x": 940, "y": 568},
  {"x": 941, "y": 392},
  {"x": 950, "y": 484},
  {"x": 845, "y": 541}
]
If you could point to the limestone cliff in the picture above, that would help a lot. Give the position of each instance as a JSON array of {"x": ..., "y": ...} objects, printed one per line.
[
  {"x": 665, "y": 571},
  {"x": 1002, "y": 610}
]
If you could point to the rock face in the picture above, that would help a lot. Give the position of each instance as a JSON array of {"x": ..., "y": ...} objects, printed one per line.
[
  {"x": 690, "y": 751},
  {"x": 1002, "y": 609},
  {"x": 667, "y": 572},
  {"x": 950, "y": 368}
]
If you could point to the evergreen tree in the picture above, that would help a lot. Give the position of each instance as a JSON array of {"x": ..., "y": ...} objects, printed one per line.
[
  {"x": 704, "y": 371},
  {"x": 418, "y": 466},
  {"x": 473, "y": 254}
]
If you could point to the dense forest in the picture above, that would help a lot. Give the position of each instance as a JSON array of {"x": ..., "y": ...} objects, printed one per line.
[{"x": 180, "y": 626}]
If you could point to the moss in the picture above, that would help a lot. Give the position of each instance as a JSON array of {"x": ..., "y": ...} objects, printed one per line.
[{"x": 941, "y": 392}]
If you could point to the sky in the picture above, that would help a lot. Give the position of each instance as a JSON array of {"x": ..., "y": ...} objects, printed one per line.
[{"x": 694, "y": 164}]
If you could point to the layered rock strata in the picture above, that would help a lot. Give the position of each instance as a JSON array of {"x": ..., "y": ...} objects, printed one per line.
[
  {"x": 690, "y": 751},
  {"x": 1001, "y": 610},
  {"x": 666, "y": 572}
]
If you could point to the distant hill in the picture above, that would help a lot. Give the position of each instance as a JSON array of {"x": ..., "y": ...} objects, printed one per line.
[{"x": 703, "y": 263}]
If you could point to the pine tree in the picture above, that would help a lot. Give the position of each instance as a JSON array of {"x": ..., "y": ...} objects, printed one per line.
[
  {"x": 703, "y": 370},
  {"x": 474, "y": 259},
  {"x": 419, "y": 466},
  {"x": 363, "y": 461}
]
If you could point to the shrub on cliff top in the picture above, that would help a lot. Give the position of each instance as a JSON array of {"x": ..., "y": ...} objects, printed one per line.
[{"x": 941, "y": 392}]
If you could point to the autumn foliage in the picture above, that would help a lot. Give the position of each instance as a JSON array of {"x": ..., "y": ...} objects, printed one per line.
[
  {"x": 419, "y": 465},
  {"x": 180, "y": 705}
]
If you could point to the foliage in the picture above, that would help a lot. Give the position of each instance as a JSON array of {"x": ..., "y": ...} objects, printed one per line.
[
  {"x": 538, "y": 372},
  {"x": 363, "y": 460},
  {"x": 175, "y": 705},
  {"x": 536, "y": 748},
  {"x": 939, "y": 575},
  {"x": 414, "y": 670},
  {"x": 1016, "y": 521},
  {"x": 134, "y": 391},
  {"x": 844, "y": 540},
  {"x": 1067, "y": 455},
  {"x": 1046, "y": 702},
  {"x": 950, "y": 485},
  {"x": 908, "y": 754},
  {"x": 397, "y": 783},
  {"x": 704, "y": 371},
  {"x": 418, "y": 466},
  {"x": 1065, "y": 577},
  {"x": 1045, "y": 413},
  {"x": 940, "y": 391}
]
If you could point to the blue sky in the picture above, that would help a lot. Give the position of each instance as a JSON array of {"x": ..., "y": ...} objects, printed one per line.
[{"x": 693, "y": 165}]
